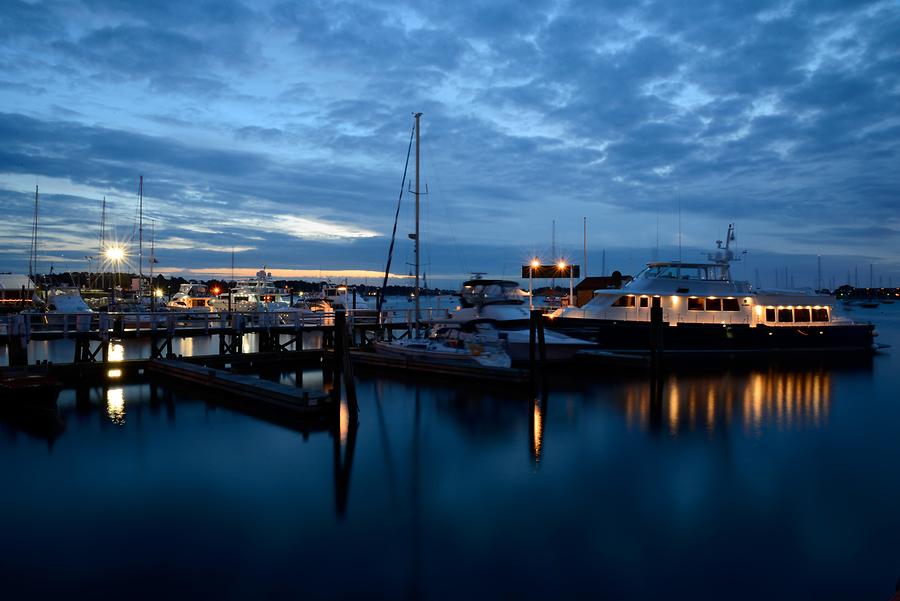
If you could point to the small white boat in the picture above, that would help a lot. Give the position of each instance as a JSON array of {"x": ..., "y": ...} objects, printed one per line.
[{"x": 448, "y": 345}]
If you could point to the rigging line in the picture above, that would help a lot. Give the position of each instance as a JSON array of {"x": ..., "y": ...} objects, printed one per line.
[{"x": 387, "y": 268}]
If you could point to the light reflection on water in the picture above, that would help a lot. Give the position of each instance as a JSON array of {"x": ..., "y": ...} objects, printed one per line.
[
  {"x": 762, "y": 399},
  {"x": 115, "y": 405}
]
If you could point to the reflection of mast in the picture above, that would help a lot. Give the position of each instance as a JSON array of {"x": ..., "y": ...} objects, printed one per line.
[
  {"x": 416, "y": 502},
  {"x": 344, "y": 446}
]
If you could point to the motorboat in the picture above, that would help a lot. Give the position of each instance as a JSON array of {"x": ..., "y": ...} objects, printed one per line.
[
  {"x": 448, "y": 345},
  {"x": 191, "y": 298},
  {"x": 260, "y": 295},
  {"x": 703, "y": 309},
  {"x": 499, "y": 309}
]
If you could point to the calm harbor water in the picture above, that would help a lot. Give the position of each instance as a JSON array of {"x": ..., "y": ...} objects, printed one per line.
[{"x": 741, "y": 481}]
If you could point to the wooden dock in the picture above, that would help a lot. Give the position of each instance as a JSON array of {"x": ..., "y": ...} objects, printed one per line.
[{"x": 261, "y": 392}]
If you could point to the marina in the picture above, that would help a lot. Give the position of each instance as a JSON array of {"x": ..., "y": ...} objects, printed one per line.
[{"x": 427, "y": 301}]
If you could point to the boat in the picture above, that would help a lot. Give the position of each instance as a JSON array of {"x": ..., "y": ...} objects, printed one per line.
[
  {"x": 443, "y": 344},
  {"x": 448, "y": 345},
  {"x": 257, "y": 294},
  {"x": 499, "y": 309},
  {"x": 191, "y": 298},
  {"x": 703, "y": 309},
  {"x": 30, "y": 391}
]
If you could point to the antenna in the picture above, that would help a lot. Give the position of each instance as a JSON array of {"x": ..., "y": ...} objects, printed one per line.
[
  {"x": 32, "y": 258},
  {"x": 141, "y": 236}
]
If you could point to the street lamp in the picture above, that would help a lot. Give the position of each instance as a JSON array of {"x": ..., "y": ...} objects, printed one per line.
[
  {"x": 562, "y": 267},
  {"x": 115, "y": 255},
  {"x": 534, "y": 265}
]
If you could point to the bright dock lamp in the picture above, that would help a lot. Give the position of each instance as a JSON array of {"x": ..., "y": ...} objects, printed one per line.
[{"x": 115, "y": 255}]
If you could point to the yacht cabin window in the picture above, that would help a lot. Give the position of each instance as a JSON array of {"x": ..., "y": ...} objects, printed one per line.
[
  {"x": 624, "y": 301},
  {"x": 645, "y": 301},
  {"x": 714, "y": 304},
  {"x": 770, "y": 313},
  {"x": 785, "y": 315},
  {"x": 801, "y": 314},
  {"x": 731, "y": 304},
  {"x": 695, "y": 304},
  {"x": 820, "y": 314}
]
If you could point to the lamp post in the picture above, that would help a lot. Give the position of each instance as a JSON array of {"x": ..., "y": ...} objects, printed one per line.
[
  {"x": 562, "y": 267},
  {"x": 534, "y": 265},
  {"x": 115, "y": 254}
]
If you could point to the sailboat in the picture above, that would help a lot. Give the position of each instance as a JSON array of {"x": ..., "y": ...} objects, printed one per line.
[{"x": 441, "y": 345}]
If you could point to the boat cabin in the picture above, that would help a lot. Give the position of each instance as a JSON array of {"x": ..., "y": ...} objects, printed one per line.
[{"x": 476, "y": 293}]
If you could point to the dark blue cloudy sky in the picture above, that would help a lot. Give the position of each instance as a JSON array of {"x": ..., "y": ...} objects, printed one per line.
[{"x": 280, "y": 130}]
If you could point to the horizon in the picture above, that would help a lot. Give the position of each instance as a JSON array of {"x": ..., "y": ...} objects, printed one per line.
[{"x": 279, "y": 135}]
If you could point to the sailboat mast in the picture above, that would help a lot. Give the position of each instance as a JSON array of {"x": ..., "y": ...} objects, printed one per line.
[
  {"x": 141, "y": 237},
  {"x": 418, "y": 307},
  {"x": 32, "y": 257},
  {"x": 101, "y": 252}
]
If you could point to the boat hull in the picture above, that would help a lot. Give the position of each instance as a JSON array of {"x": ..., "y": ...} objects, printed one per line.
[{"x": 635, "y": 336}]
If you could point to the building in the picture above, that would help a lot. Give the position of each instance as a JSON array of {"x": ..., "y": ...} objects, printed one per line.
[{"x": 584, "y": 290}]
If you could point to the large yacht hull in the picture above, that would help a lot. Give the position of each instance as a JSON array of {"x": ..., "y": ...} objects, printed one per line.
[{"x": 635, "y": 336}]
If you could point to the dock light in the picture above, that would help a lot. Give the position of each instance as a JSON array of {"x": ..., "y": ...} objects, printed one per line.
[
  {"x": 158, "y": 292},
  {"x": 115, "y": 253},
  {"x": 535, "y": 263},
  {"x": 215, "y": 291},
  {"x": 561, "y": 265}
]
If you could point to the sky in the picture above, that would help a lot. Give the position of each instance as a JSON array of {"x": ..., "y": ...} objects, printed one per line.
[{"x": 279, "y": 131}]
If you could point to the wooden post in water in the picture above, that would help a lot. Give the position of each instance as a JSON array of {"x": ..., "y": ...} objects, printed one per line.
[
  {"x": 537, "y": 348},
  {"x": 17, "y": 341},
  {"x": 340, "y": 318}
]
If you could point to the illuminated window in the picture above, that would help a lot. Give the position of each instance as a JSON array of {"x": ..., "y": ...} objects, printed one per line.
[
  {"x": 714, "y": 304},
  {"x": 645, "y": 301},
  {"x": 785, "y": 315},
  {"x": 695, "y": 304},
  {"x": 820, "y": 314},
  {"x": 624, "y": 301},
  {"x": 731, "y": 304},
  {"x": 770, "y": 314},
  {"x": 801, "y": 315}
]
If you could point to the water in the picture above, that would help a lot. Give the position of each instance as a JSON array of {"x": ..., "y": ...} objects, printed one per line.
[{"x": 747, "y": 481}]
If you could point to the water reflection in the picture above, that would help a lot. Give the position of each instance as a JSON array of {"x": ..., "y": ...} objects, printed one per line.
[
  {"x": 758, "y": 400},
  {"x": 115, "y": 405}
]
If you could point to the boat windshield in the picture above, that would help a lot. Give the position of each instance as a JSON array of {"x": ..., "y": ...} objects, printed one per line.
[
  {"x": 679, "y": 271},
  {"x": 490, "y": 291}
]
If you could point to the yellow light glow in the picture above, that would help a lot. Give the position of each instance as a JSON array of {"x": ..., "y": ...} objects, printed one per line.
[
  {"x": 158, "y": 292},
  {"x": 535, "y": 263},
  {"x": 114, "y": 373},
  {"x": 115, "y": 253},
  {"x": 759, "y": 311},
  {"x": 561, "y": 264},
  {"x": 115, "y": 406},
  {"x": 675, "y": 301},
  {"x": 344, "y": 423}
]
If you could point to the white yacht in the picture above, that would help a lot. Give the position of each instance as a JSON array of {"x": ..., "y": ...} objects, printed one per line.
[
  {"x": 705, "y": 310},
  {"x": 257, "y": 294},
  {"x": 499, "y": 309},
  {"x": 191, "y": 298}
]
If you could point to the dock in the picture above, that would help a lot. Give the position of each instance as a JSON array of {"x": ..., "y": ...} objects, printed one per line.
[{"x": 261, "y": 392}]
